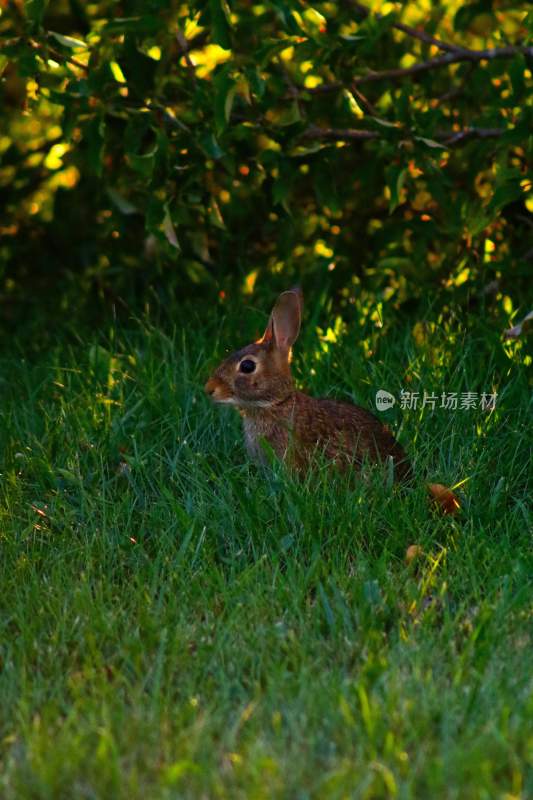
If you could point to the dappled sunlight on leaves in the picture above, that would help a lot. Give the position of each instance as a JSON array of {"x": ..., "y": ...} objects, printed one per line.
[{"x": 262, "y": 139}]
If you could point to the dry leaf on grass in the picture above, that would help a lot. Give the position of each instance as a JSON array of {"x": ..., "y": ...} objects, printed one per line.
[
  {"x": 444, "y": 498},
  {"x": 413, "y": 552}
]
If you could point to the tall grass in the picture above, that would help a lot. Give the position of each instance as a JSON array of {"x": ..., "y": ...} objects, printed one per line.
[{"x": 177, "y": 623}]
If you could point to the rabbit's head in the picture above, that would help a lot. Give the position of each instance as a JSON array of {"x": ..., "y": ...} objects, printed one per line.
[{"x": 259, "y": 375}]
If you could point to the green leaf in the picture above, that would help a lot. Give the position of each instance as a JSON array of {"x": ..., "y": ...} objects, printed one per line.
[
  {"x": 136, "y": 130},
  {"x": 396, "y": 175},
  {"x": 69, "y": 120},
  {"x": 68, "y": 41},
  {"x": 430, "y": 142},
  {"x": 215, "y": 217},
  {"x": 396, "y": 263},
  {"x": 77, "y": 87},
  {"x": 349, "y": 38},
  {"x": 282, "y": 186},
  {"x": 121, "y": 203},
  {"x": 122, "y": 25},
  {"x": 504, "y": 194},
  {"x": 352, "y": 105},
  {"x": 220, "y": 20},
  {"x": 116, "y": 72},
  {"x": 476, "y": 219},
  {"x": 307, "y": 149},
  {"x": 270, "y": 49},
  {"x": 517, "y": 69},
  {"x": 169, "y": 230},
  {"x": 196, "y": 272},
  {"x": 34, "y": 10},
  {"x": 289, "y": 21},
  {"x": 59, "y": 98},
  {"x": 95, "y": 136},
  {"x": 289, "y": 116},
  {"x": 210, "y": 146},
  {"x": 325, "y": 187},
  {"x": 384, "y": 123},
  {"x": 256, "y": 82},
  {"x": 467, "y": 13},
  {"x": 143, "y": 164},
  {"x": 225, "y": 88},
  {"x": 26, "y": 59}
]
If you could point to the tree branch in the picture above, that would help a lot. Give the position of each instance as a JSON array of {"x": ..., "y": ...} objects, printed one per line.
[
  {"x": 184, "y": 47},
  {"x": 453, "y": 57},
  {"x": 338, "y": 134},
  {"x": 416, "y": 33},
  {"x": 454, "y": 54},
  {"x": 448, "y": 138},
  {"x": 56, "y": 54}
]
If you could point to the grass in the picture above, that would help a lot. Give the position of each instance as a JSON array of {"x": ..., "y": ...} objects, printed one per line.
[{"x": 177, "y": 624}]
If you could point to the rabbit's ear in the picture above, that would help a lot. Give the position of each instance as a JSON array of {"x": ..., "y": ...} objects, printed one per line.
[{"x": 284, "y": 323}]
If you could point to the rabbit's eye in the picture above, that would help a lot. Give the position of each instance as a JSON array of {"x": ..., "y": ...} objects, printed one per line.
[{"x": 247, "y": 366}]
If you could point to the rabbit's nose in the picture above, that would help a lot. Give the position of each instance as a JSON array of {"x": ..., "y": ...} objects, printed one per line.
[{"x": 210, "y": 387}]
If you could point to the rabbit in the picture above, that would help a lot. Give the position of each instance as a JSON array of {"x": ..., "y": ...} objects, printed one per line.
[{"x": 257, "y": 380}]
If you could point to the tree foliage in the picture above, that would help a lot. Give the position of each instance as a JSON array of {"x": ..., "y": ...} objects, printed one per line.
[{"x": 215, "y": 142}]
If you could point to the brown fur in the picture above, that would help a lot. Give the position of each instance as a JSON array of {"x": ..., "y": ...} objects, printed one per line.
[{"x": 295, "y": 425}]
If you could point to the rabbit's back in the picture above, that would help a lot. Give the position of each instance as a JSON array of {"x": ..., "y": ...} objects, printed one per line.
[{"x": 345, "y": 433}]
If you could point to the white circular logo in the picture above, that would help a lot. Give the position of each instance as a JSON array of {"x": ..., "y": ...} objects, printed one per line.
[{"x": 384, "y": 400}]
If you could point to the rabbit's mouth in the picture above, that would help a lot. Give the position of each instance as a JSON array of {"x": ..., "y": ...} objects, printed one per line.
[{"x": 219, "y": 392}]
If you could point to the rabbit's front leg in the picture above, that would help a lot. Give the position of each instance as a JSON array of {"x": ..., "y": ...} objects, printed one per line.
[{"x": 260, "y": 430}]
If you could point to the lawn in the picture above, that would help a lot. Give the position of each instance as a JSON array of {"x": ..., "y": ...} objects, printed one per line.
[{"x": 176, "y": 623}]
